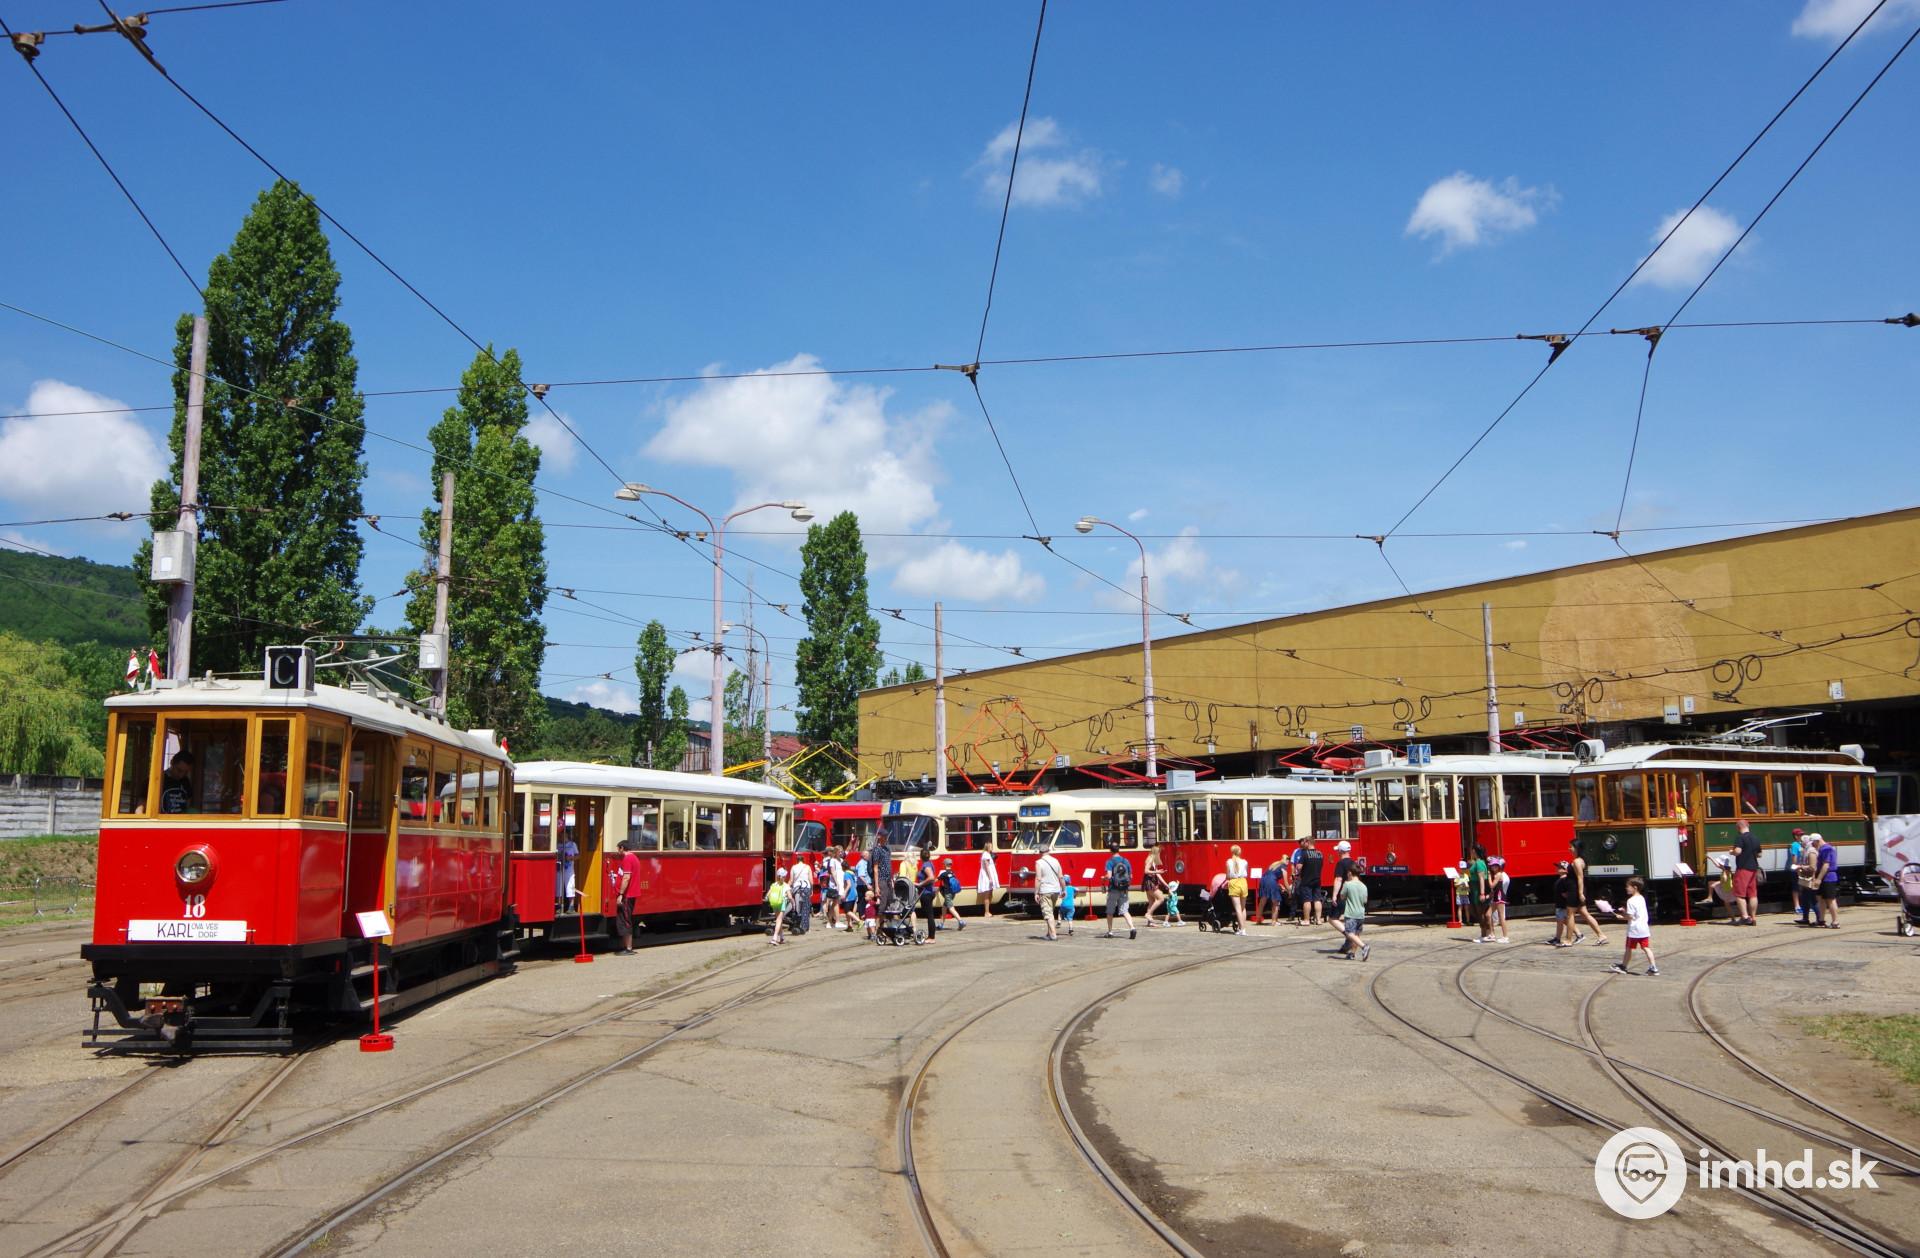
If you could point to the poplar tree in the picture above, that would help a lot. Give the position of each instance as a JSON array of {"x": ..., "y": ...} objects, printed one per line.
[
  {"x": 652, "y": 664},
  {"x": 840, "y": 656},
  {"x": 671, "y": 749},
  {"x": 496, "y": 643},
  {"x": 280, "y": 446}
]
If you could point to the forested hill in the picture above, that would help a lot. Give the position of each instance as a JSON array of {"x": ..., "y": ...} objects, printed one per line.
[{"x": 70, "y": 600}]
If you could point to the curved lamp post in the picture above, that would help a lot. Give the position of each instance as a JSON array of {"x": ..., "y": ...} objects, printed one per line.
[{"x": 1086, "y": 524}]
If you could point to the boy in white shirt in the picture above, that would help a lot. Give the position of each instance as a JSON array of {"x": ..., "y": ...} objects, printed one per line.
[{"x": 1639, "y": 933}]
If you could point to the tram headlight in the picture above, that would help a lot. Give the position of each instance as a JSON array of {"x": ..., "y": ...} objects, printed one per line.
[{"x": 194, "y": 867}]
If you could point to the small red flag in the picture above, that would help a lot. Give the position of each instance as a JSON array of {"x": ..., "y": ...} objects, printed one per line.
[
  {"x": 153, "y": 665},
  {"x": 133, "y": 668}
]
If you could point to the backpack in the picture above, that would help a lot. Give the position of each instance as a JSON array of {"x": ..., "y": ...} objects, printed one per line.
[
  {"x": 950, "y": 882},
  {"x": 1119, "y": 874},
  {"x": 777, "y": 896}
]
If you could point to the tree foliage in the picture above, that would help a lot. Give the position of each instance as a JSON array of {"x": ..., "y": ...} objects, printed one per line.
[
  {"x": 745, "y": 726},
  {"x": 653, "y": 664},
  {"x": 579, "y": 731},
  {"x": 840, "y": 656},
  {"x": 280, "y": 466},
  {"x": 671, "y": 748},
  {"x": 71, "y": 600},
  {"x": 50, "y": 719},
  {"x": 895, "y": 677},
  {"x": 496, "y": 643}
]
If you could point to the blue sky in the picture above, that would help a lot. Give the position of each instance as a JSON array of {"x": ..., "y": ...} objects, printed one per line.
[{"x": 624, "y": 191}]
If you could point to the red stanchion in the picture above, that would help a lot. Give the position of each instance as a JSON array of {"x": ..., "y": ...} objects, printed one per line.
[
  {"x": 1686, "y": 904},
  {"x": 376, "y": 1041},
  {"x": 1453, "y": 906},
  {"x": 584, "y": 957}
]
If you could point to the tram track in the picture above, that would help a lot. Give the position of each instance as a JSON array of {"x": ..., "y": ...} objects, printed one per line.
[{"x": 1825, "y": 1221}]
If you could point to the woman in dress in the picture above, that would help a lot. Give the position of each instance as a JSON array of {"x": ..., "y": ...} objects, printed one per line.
[{"x": 988, "y": 884}]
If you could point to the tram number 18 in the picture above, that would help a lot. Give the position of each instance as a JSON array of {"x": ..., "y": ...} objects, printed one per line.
[{"x": 195, "y": 906}]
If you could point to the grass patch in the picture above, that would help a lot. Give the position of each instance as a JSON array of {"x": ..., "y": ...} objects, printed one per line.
[
  {"x": 63, "y": 866},
  {"x": 1892, "y": 1041}
]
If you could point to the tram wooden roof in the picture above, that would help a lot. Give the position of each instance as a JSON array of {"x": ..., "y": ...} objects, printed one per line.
[{"x": 582, "y": 776}]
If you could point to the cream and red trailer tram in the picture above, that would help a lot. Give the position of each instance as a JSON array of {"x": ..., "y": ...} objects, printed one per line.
[
  {"x": 1078, "y": 827},
  {"x": 1648, "y": 809},
  {"x": 964, "y": 828},
  {"x": 1423, "y": 814},
  {"x": 254, "y": 841},
  {"x": 706, "y": 844},
  {"x": 1267, "y": 817}
]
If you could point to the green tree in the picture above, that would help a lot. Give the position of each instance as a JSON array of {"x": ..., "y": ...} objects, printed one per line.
[
  {"x": 840, "y": 656},
  {"x": 914, "y": 673},
  {"x": 745, "y": 726},
  {"x": 496, "y": 642},
  {"x": 671, "y": 747},
  {"x": 95, "y": 671},
  {"x": 47, "y": 716},
  {"x": 653, "y": 665},
  {"x": 280, "y": 466}
]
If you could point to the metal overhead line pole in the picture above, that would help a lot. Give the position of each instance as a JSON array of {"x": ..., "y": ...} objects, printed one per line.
[
  {"x": 443, "y": 578},
  {"x": 180, "y": 599},
  {"x": 939, "y": 703},
  {"x": 1493, "y": 693}
]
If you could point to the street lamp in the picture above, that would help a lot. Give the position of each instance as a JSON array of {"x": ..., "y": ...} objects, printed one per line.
[
  {"x": 1086, "y": 524},
  {"x": 717, "y": 533}
]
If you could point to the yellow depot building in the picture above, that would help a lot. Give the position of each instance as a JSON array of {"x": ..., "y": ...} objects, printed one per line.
[{"x": 1824, "y": 618}]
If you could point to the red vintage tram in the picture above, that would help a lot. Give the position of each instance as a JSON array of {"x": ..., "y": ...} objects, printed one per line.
[
  {"x": 246, "y": 828},
  {"x": 845, "y": 824},
  {"x": 1421, "y": 816},
  {"x": 706, "y": 844}
]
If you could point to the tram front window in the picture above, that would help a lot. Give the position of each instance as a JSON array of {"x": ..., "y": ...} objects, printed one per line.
[
  {"x": 900, "y": 833},
  {"x": 203, "y": 768},
  {"x": 1388, "y": 801},
  {"x": 811, "y": 836},
  {"x": 1054, "y": 835},
  {"x": 136, "y": 764}
]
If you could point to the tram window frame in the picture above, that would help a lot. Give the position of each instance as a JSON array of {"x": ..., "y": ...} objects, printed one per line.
[
  {"x": 1668, "y": 795},
  {"x": 416, "y": 785},
  {"x": 1486, "y": 798},
  {"x": 321, "y": 738},
  {"x": 1117, "y": 823},
  {"x": 852, "y": 832},
  {"x": 1723, "y": 802},
  {"x": 1316, "y": 819},
  {"x": 771, "y": 826},
  {"x": 284, "y": 739},
  {"x": 1060, "y": 827},
  {"x": 1259, "y": 819},
  {"x": 1390, "y": 799},
  {"x": 1779, "y": 787},
  {"x": 365, "y": 794},
  {"x": 709, "y": 819},
  {"x": 676, "y": 825},
  {"x": 1440, "y": 796},
  {"x": 466, "y": 793},
  {"x": 1179, "y": 820},
  {"x": 969, "y": 833},
  {"x": 1556, "y": 796},
  {"x": 1519, "y": 796},
  {"x": 1816, "y": 788},
  {"x": 1744, "y": 782},
  {"x": 1586, "y": 799},
  {"x": 739, "y": 820},
  {"x": 172, "y": 725},
  {"x": 1847, "y": 795},
  {"x": 641, "y": 809},
  {"x": 1633, "y": 796},
  {"x": 441, "y": 779},
  {"x": 133, "y": 733}
]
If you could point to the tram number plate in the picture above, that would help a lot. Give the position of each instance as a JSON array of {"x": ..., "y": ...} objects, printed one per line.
[
  {"x": 185, "y": 930},
  {"x": 1610, "y": 871}
]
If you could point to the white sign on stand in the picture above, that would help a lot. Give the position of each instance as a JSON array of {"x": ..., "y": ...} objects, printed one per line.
[
  {"x": 373, "y": 924},
  {"x": 1449, "y": 873},
  {"x": 1683, "y": 869}
]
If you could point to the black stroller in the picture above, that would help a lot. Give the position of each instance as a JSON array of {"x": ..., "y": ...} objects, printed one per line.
[
  {"x": 896, "y": 914},
  {"x": 1214, "y": 907},
  {"x": 1907, "y": 884}
]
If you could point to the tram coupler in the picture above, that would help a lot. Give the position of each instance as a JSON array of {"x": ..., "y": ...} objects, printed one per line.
[{"x": 169, "y": 1024}]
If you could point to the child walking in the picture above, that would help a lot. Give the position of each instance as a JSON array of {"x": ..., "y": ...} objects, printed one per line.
[
  {"x": 1066, "y": 903},
  {"x": 1639, "y": 933}
]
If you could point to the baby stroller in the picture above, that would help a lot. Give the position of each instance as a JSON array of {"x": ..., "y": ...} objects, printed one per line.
[
  {"x": 1216, "y": 907},
  {"x": 1907, "y": 883},
  {"x": 896, "y": 915}
]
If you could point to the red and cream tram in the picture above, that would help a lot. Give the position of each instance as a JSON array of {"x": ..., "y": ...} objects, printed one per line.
[
  {"x": 706, "y": 844},
  {"x": 252, "y": 838},
  {"x": 1267, "y": 817},
  {"x": 1421, "y": 816},
  {"x": 964, "y": 828},
  {"x": 1078, "y": 827}
]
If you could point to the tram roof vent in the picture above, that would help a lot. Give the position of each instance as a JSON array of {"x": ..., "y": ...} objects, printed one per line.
[
  {"x": 1854, "y": 750},
  {"x": 1589, "y": 750},
  {"x": 1379, "y": 758}
]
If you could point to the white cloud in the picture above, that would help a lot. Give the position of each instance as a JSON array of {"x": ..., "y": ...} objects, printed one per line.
[
  {"x": 1047, "y": 176},
  {"x": 558, "y": 450},
  {"x": 1166, "y": 180},
  {"x": 1182, "y": 563},
  {"x": 1693, "y": 249},
  {"x": 77, "y": 464},
  {"x": 610, "y": 695},
  {"x": 1464, "y": 211},
  {"x": 951, "y": 569},
  {"x": 1518, "y": 543},
  {"x": 1137, "y": 514},
  {"x": 1833, "y": 19}
]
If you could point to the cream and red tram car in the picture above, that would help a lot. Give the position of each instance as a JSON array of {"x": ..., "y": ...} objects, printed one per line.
[
  {"x": 1423, "y": 814},
  {"x": 1267, "y": 817},
  {"x": 1078, "y": 827},
  {"x": 966, "y": 829},
  {"x": 707, "y": 845},
  {"x": 245, "y": 831}
]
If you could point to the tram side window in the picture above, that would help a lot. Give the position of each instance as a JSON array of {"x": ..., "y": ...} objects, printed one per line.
[
  {"x": 1069, "y": 834},
  {"x": 1586, "y": 799},
  {"x": 854, "y": 831},
  {"x": 1720, "y": 800},
  {"x": 416, "y": 787},
  {"x": 706, "y": 827},
  {"x": 1121, "y": 827},
  {"x": 136, "y": 765},
  {"x": 966, "y": 834},
  {"x": 1633, "y": 797},
  {"x": 1815, "y": 796},
  {"x": 1227, "y": 817},
  {"x": 542, "y": 823},
  {"x": 1521, "y": 796},
  {"x": 1326, "y": 819},
  {"x": 1258, "y": 812},
  {"x": 1388, "y": 800},
  {"x": 1439, "y": 796},
  {"x": 770, "y": 827},
  {"x": 1179, "y": 821},
  {"x": 1669, "y": 797},
  {"x": 1483, "y": 799},
  {"x": 1556, "y": 797},
  {"x": 739, "y": 832},
  {"x": 203, "y": 766},
  {"x": 364, "y": 787},
  {"x": 270, "y": 777},
  {"x": 468, "y": 786},
  {"x": 1786, "y": 793},
  {"x": 1006, "y": 831},
  {"x": 677, "y": 828},
  {"x": 441, "y": 810},
  {"x": 643, "y": 824},
  {"x": 1753, "y": 794},
  {"x": 489, "y": 791},
  {"x": 1845, "y": 793}
]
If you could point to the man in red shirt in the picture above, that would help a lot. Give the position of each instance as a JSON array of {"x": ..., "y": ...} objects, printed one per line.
[{"x": 624, "y": 877}]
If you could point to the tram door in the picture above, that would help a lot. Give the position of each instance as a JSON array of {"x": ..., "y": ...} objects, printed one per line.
[
  {"x": 583, "y": 818},
  {"x": 1479, "y": 816},
  {"x": 372, "y": 834}
]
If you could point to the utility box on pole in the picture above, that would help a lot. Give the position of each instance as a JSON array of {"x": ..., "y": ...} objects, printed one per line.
[{"x": 172, "y": 558}]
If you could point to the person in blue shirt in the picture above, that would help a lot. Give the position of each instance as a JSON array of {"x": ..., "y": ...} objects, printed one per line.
[
  {"x": 1827, "y": 864},
  {"x": 1119, "y": 876}
]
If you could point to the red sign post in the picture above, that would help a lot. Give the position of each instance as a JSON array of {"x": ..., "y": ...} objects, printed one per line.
[{"x": 374, "y": 926}]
